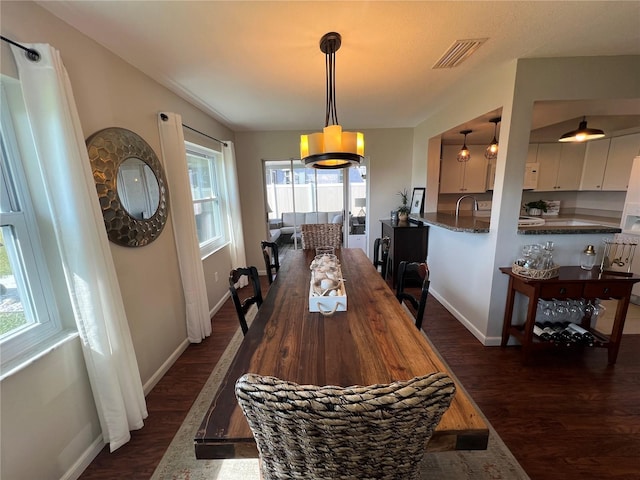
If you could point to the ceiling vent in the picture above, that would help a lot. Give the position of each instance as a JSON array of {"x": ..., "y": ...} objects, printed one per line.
[{"x": 458, "y": 52}]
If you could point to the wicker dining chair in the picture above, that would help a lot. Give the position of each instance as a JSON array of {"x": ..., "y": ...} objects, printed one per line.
[
  {"x": 271, "y": 259},
  {"x": 418, "y": 273},
  {"x": 321, "y": 235},
  {"x": 243, "y": 304},
  {"x": 306, "y": 432}
]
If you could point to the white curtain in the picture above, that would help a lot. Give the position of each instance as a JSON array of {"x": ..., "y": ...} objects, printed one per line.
[
  {"x": 83, "y": 244},
  {"x": 184, "y": 226},
  {"x": 238, "y": 255}
]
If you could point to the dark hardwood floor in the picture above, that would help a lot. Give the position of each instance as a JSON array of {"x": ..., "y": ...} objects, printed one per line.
[{"x": 567, "y": 416}]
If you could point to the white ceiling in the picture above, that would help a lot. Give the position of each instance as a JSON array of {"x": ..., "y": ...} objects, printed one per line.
[{"x": 257, "y": 65}]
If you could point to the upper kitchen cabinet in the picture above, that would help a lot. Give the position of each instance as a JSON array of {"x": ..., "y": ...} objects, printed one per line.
[
  {"x": 595, "y": 161},
  {"x": 619, "y": 161},
  {"x": 463, "y": 177},
  {"x": 607, "y": 163},
  {"x": 560, "y": 166}
]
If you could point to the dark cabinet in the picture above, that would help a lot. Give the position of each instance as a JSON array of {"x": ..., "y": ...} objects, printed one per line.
[{"x": 409, "y": 242}]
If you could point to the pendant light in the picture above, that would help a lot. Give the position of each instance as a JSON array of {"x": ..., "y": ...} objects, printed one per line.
[
  {"x": 582, "y": 134},
  {"x": 464, "y": 155},
  {"x": 491, "y": 153},
  {"x": 332, "y": 148}
]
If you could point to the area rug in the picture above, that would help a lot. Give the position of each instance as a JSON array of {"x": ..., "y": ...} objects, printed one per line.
[{"x": 179, "y": 462}]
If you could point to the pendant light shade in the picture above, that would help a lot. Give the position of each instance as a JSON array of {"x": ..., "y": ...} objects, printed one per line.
[
  {"x": 582, "y": 134},
  {"x": 491, "y": 153},
  {"x": 332, "y": 148},
  {"x": 464, "y": 155}
]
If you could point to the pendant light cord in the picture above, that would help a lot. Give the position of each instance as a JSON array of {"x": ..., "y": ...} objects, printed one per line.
[{"x": 331, "y": 113}]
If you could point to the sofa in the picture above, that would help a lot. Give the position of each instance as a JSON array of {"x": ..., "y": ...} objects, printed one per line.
[{"x": 290, "y": 222}]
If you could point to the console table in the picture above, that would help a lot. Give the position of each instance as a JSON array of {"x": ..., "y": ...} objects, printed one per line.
[
  {"x": 409, "y": 242},
  {"x": 572, "y": 283}
]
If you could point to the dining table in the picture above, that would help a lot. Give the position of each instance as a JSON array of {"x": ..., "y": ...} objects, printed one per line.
[{"x": 374, "y": 341}]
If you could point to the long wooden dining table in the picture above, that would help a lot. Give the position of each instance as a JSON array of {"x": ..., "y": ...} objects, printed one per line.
[{"x": 373, "y": 341}]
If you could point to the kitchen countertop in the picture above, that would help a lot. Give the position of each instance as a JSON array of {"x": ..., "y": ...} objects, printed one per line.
[{"x": 471, "y": 224}]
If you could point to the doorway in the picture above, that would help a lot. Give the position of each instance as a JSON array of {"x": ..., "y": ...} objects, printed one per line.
[{"x": 295, "y": 194}]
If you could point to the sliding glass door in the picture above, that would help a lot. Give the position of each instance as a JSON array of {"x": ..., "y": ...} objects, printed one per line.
[{"x": 293, "y": 191}]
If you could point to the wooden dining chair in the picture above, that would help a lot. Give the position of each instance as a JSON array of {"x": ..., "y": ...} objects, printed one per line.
[
  {"x": 313, "y": 432},
  {"x": 321, "y": 235},
  {"x": 243, "y": 304},
  {"x": 417, "y": 274},
  {"x": 381, "y": 255},
  {"x": 271, "y": 259}
]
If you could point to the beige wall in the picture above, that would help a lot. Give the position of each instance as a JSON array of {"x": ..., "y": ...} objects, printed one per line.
[
  {"x": 464, "y": 266},
  {"x": 47, "y": 408},
  {"x": 389, "y": 152}
]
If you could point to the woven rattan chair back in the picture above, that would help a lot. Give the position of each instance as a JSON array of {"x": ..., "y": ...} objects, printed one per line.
[
  {"x": 271, "y": 259},
  {"x": 309, "y": 432},
  {"x": 321, "y": 234},
  {"x": 381, "y": 255},
  {"x": 243, "y": 304},
  {"x": 418, "y": 273}
]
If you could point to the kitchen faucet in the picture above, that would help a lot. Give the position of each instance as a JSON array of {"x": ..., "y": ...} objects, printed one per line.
[{"x": 475, "y": 203}]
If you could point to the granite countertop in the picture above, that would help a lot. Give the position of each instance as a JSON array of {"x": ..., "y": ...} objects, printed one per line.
[{"x": 471, "y": 224}]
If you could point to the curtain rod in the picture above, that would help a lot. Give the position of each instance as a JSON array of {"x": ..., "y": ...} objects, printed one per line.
[
  {"x": 31, "y": 54},
  {"x": 164, "y": 117}
]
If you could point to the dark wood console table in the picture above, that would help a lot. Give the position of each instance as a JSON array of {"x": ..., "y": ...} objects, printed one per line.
[
  {"x": 573, "y": 283},
  {"x": 409, "y": 242}
]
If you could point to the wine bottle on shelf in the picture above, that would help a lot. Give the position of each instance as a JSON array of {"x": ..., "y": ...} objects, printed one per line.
[
  {"x": 540, "y": 332},
  {"x": 549, "y": 330},
  {"x": 586, "y": 336}
]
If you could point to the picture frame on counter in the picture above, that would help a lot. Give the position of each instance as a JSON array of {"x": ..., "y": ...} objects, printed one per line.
[{"x": 417, "y": 200}]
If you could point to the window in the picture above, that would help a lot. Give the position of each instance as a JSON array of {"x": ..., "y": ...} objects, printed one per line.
[
  {"x": 208, "y": 192},
  {"x": 28, "y": 312}
]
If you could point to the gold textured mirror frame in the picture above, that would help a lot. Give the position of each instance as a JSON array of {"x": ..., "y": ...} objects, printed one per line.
[{"x": 108, "y": 149}]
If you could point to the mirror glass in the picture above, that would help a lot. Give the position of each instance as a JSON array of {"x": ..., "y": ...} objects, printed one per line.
[
  {"x": 138, "y": 188},
  {"x": 131, "y": 186}
]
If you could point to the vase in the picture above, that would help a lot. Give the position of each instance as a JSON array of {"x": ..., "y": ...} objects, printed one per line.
[
  {"x": 534, "y": 212},
  {"x": 403, "y": 217}
]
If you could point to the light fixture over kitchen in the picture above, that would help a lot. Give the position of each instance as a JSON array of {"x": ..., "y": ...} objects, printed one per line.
[
  {"x": 464, "y": 155},
  {"x": 332, "y": 148},
  {"x": 491, "y": 153},
  {"x": 582, "y": 134}
]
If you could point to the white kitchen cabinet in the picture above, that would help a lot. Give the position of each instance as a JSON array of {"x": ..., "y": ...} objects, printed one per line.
[
  {"x": 622, "y": 151},
  {"x": 607, "y": 163},
  {"x": 595, "y": 161},
  {"x": 463, "y": 177},
  {"x": 560, "y": 166}
]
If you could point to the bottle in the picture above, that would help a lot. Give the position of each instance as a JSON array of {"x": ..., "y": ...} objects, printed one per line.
[
  {"x": 588, "y": 258},
  {"x": 587, "y": 337},
  {"x": 540, "y": 332}
]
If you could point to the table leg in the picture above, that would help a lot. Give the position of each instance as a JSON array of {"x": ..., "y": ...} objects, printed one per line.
[
  {"x": 508, "y": 313},
  {"x": 618, "y": 326},
  {"x": 527, "y": 334}
]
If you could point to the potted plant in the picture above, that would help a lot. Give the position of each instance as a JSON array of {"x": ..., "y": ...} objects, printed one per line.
[
  {"x": 403, "y": 210},
  {"x": 536, "y": 208}
]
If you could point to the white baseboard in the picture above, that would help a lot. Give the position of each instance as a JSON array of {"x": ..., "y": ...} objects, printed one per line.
[
  {"x": 98, "y": 444},
  {"x": 218, "y": 305},
  {"x": 487, "y": 341},
  {"x": 85, "y": 460},
  {"x": 164, "y": 368}
]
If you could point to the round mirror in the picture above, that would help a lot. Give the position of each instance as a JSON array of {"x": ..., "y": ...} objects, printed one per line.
[{"x": 131, "y": 186}]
